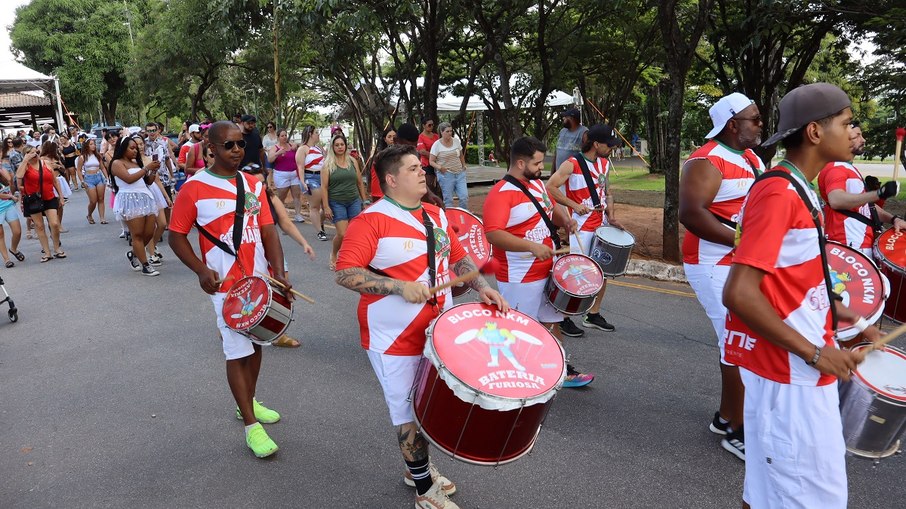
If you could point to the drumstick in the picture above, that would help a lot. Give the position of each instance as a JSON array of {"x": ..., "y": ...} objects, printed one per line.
[
  {"x": 561, "y": 251},
  {"x": 488, "y": 268},
  {"x": 579, "y": 241},
  {"x": 879, "y": 344},
  {"x": 293, "y": 290}
]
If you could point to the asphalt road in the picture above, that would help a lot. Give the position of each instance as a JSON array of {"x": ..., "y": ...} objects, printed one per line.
[{"x": 114, "y": 395}]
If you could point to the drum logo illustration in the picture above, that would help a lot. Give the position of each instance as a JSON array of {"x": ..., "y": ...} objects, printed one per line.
[
  {"x": 602, "y": 256},
  {"x": 243, "y": 307},
  {"x": 852, "y": 279},
  {"x": 252, "y": 205},
  {"x": 577, "y": 276}
]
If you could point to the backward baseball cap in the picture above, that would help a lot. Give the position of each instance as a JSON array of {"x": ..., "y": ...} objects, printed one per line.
[{"x": 807, "y": 104}]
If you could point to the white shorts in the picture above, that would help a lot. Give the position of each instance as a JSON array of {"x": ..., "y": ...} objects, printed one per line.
[
  {"x": 708, "y": 283},
  {"x": 284, "y": 179},
  {"x": 795, "y": 453},
  {"x": 529, "y": 298},
  {"x": 586, "y": 237},
  {"x": 396, "y": 373},
  {"x": 235, "y": 345},
  {"x": 158, "y": 197}
]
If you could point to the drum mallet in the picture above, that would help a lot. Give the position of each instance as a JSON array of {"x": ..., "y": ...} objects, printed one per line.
[
  {"x": 292, "y": 290},
  {"x": 488, "y": 268},
  {"x": 900, "y": 134}
]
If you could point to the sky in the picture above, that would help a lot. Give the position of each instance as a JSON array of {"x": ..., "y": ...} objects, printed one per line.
[{"x": 7, "y": 16}]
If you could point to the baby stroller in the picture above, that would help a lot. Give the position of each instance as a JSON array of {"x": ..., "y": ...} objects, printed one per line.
[{"x": 13, "y": 312}]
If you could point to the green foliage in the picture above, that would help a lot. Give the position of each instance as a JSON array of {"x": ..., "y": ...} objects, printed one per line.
[{"x": 472, "y": 153}]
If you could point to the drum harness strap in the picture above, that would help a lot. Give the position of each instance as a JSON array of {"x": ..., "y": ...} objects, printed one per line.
[
  {"x": 237, "y": 224},
  {"x": 822, "y": 242},
  {"x": 547, "y": 220},
  {"x": 429, "y": 238},
  {"x": 589, "y": 182}
]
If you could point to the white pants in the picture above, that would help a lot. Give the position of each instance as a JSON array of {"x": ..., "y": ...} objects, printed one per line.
[
  {"x": 708, "y": 283},
  {"x": 396, "y": 373},
  {"x": 235, "y": 345},
  {"x": 529, "y": 298},
  {"x": 795, "y": 453},
  {"x": 586, "y": 238}
]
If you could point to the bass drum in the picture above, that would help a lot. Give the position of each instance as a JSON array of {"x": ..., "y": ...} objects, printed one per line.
[{"x": 470, "y": 231}]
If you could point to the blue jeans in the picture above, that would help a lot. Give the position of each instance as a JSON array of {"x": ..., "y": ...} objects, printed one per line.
[{"x": 454, "y": 182}]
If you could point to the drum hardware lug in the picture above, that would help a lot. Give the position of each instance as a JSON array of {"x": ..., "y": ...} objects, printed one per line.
[
  {"x": 466, "y": 425},
  {"x": 507, "y": 441}
]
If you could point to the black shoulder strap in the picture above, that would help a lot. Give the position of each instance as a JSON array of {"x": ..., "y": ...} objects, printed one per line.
[
  {"x": 589, "y": 182},
  {"x": 822, "y": 241},
  {"x": 547, "y": 220},
  {"x": 429, "y": 238},
  {"x": 237, "y": 221},
  {"x": 41, "y": 179},
  {"x": 874, "y": 222}
]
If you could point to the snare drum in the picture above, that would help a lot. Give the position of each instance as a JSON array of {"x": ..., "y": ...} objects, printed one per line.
[
  {"x": 470, "y": 231},
  {"x": 859, "y": 282},
  {"x": 573, "y": 284},
  {"x": 890, "y": 250},
  {"x": 873, "y": 404},
  {"x": 486, "y": 383},
  {"x": 258, "y": 310},
  {"x": 612, "y": 249}
]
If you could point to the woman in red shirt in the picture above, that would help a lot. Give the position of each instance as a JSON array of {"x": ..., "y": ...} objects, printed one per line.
[{"x": 28, "y": 177}]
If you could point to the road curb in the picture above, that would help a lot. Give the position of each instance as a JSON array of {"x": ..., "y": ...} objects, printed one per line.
[{"x": 656, "y": 270}]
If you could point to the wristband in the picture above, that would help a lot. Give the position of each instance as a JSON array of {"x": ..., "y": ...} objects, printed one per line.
[
  {"x": 861, "y": 324},
  {"x": 815, "y": 358}
]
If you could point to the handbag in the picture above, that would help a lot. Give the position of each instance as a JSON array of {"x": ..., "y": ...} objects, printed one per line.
[{"x": 34, "y": 203}]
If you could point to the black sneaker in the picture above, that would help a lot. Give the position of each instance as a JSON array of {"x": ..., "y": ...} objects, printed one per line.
[
  {"x": 569, "y": 329},
  {"x": 322, "y": 235},
  {"x": 154, "y": 260},
  {"x": 148, "y": 270},
  {"x": 718, "y": 425},
  {"x": 136, "y": 265},
  {"x": 735, "y": 443},
  {"x": 596, "y": 321}
]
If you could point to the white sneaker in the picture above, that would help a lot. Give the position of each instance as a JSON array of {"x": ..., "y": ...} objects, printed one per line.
[
  {"x": 299, "y": 218},
  {"x": 148, "y": 270},
  {"x": 435, "y": 498},
  {"x": 447, "y": 485}
]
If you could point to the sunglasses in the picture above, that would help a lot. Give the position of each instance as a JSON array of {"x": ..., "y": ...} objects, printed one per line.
[
  {"x": 230, "y": 144},
  {"x": 150, "y": 130}
]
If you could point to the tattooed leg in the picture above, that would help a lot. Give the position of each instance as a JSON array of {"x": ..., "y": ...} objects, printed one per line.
[{"x": 412, "y": 444}]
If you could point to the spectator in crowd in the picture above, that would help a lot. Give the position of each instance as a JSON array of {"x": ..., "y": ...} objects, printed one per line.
[
  {"x": 282, "y": 156},
  {"x": 344, "y": 191},
  {"x": 309, "y": 163},
  {"x": 95, "y": 178},
  {"x": 254, "y": 146},
  {"x": 42, "y": 197},
  {"x": 449, "y": 160},
  {"x": 569, "y": 141},
  {"x": 9, "y": 214},
  {"x": 426, "y": 140},
  {"x": 135, "y": 204}
]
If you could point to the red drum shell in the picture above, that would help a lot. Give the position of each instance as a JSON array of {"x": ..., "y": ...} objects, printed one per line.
[
  {"x": 890, "y": 249},
  {"x": 574, "y": 284},
  {"x": 255, "y": 308},
  {"x": 486, "y": 413}
]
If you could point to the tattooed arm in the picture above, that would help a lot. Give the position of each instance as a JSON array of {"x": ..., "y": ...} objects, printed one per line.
[
  {"x": 364, "y": 281},
  {"x": 487, "y": 294}
]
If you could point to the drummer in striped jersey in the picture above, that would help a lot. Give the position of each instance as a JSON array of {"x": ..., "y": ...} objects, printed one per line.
[
  {"x": 713, "y": 184},
  {"x": 852, "y": 212},
  {"x": 524, "y": 243},
  {"x": 208, "y": 200},
  {"x": 385, "y": 257},
  {"x": 596, "y": 148}
]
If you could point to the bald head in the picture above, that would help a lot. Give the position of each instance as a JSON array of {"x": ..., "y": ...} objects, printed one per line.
[{"x": 217, "y": 133}]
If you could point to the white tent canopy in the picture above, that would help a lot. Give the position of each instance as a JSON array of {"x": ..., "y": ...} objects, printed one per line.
[
  {"x": 15, "y": 77},
  {"x": 451, "y": 103}
]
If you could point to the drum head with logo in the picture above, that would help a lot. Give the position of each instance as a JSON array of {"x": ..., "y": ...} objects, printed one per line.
[
  {"x": 884, "y": 372},
  {"x": 246, "y": 303},
  {"x": 891, "y": 248},
  {"x": 470, "y": 231},
  {"x": 499, "y": 360},
  {"x": 578, "y": 275},
  {"x": 855, "y": 278}
]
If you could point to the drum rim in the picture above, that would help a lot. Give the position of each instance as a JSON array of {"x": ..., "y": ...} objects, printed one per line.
[
  {"x": 270, "y": 298},
  {"x": 627, "y": 232},
  {"x": 885, "y": 396},
  {"x": 567, "y": 292},
  {"x": 885, "y": 287},
  {"x": 510, "y": 403}
]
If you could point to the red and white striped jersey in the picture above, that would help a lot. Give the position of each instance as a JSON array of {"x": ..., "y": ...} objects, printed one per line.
[
  {"x": 846, "y": 230},
  {"x": 509, "y": 209},
  {"x": 211, "y": 200},
  {"x": 314, "y": 159},
  {"x": 737, "y": 171},
  {"x": 779, "y": 237},
  {"x": 577, "y": 190},
  {"x": 390, "y": 240}
]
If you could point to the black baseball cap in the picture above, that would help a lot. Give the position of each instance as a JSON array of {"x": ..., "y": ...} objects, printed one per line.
[
  {"x": 572, "y": 112},
  {"x": 603, "y": 133},
  {"x": 805, "y": 105},
  {"x": 249, "y": 118}
]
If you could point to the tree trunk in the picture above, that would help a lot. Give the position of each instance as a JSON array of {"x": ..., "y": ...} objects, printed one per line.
[
  {"x": 671, "y": 168},
  {"x": 278, "y": 103}
]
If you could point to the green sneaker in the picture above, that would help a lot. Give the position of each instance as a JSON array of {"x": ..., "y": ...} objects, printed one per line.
[
  {"x": 259, "y": 442},
  {"x": 264, "y": 414}
]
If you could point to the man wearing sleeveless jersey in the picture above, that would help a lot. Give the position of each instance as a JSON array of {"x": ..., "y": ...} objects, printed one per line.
[
  {"x": 599, "y": 142},
  {"x": 209, "y": 200},
  {"x": 852, "y": 212},
  {"x": 714, "y": 182},
  {"x": 522, "y": 241},
  {"x": 385, "y": 258},
  {"x": 779, "y": 329}
]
